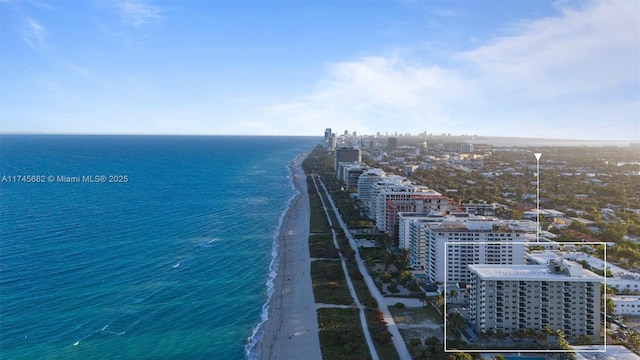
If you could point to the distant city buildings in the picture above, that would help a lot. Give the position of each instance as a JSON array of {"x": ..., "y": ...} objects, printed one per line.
[
  {"x": 466, "y": 148},
  {"x": 347, "y": 155},
  {"x": 392, "y": 143}
]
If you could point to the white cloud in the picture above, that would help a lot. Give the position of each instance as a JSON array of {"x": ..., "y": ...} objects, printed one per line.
[
  {"x": 34, "y": 34},
  {"x": 363, "y": 95},
  {"x": 138, "y": 12},
  {"x": 582, "y": 50},
  {"x": 567, "y": 76}
]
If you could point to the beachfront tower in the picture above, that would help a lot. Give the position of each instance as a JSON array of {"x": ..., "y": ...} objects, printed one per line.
[
  {"x": 347, "y": 155},
  {"x": 561, "y": 295}
]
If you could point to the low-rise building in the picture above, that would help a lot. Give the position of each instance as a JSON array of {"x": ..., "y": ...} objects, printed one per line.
[{"x": 626, "y": 305}]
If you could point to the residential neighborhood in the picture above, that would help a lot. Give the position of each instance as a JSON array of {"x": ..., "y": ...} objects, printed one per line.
[{"x": 507, "y": 242}]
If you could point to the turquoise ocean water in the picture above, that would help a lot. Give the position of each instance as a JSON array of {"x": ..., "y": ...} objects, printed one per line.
[{"x": 174, "y": 263}]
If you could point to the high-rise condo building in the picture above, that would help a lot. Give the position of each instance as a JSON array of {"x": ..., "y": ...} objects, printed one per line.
[
  {"x": 466, "y": 148},
  {"x": 379, "y": 186},
  {"x": 405, "y": 198},
  {"x": 471, "y": 240},
  {"x": 561, "y": 295},
  {"x": 365, "y": 182},
  {"x": 349, "y": 173},
  {"x": 347, "y": 155},
  {"x": 412, "y": 235}
]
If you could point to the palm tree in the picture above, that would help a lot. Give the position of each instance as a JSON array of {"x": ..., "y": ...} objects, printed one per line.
[
  {"x": 456, "y": 323},
  {"x": 546, "y": 332},
  {"x": 439, "y": 301},
  {"x": 452, "y": 295},
  {"x": 609, "y": 306}
]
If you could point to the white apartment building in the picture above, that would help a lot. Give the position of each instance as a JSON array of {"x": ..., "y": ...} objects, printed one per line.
[
  {"x": 405, "y": 198},
  {"x": 411, "y": 235},
  {"x": 365, "y": 182},
  {"x": 377, "y": 187},
  {"x": 626, "y": 305},
  {"x": 350, "y": 173},
  {"x": 623, "y": 281},
  {"x": 471, "y": 240},
  {"x": 624, "y": 285},
  {"x": 561, "y": 295}
]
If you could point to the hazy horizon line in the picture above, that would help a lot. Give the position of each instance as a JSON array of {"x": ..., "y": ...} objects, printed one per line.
[{"x": 477, "y": 136}]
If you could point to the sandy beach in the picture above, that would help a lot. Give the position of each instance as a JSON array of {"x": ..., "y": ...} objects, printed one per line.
[{"x": 291, "y": 332}]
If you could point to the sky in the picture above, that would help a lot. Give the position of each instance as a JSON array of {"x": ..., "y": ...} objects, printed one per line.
[{"x": 526, "y": 68}]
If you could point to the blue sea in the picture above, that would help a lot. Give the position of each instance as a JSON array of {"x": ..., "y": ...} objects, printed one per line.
[{"x": 175, "y": 262}]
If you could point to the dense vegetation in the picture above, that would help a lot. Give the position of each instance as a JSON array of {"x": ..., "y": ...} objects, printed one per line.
[{"x": 341, "y": 336}]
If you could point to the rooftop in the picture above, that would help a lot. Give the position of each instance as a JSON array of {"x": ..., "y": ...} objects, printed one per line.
[
  {"x": 626, "y": 298},
  {"x": 534, "y": 272}
]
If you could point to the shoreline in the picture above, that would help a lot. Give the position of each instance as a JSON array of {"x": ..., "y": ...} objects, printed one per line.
[{"x": 290, "y": 330}]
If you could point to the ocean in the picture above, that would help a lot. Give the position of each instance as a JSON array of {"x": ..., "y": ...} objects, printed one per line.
[{"x": 138, "y": 247}]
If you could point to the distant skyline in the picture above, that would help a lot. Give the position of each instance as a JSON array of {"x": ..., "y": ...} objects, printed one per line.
[{"x": 530, "y": 68}]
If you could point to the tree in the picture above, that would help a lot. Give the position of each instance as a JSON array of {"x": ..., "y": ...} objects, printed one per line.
[
  {"x": 460, "y": 356},
  {"x": 546, "y": 332},
  {"x": 452, "y": 295},
  {"x": 433, "y": 344},
  {"x": 439, "y": 301},
  {"x": 424, "y": 299},
  {"x": 584, "y": 340},
  {"x": 609, "y": 306},
  {"x": 456, "y": 323}
]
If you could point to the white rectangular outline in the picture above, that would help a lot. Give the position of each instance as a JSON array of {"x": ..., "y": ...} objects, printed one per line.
[{"x": 444, "y": 315}]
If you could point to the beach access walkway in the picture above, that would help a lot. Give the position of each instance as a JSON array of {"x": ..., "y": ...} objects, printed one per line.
[
  {"x": 361, "y": 308},
  {"x": 396, "y": 337}
]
